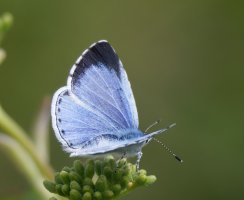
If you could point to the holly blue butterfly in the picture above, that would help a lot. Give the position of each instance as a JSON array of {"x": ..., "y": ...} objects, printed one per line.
[{"x": 96, "y": 114}]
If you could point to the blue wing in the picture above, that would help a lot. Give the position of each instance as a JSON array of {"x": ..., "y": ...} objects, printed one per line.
[
  {"x": 99, "y": 80},
  {"x": 97, "y": 100},
  {"x": 73, "y": 123}
]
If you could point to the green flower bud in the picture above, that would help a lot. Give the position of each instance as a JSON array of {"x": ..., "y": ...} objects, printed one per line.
[
  {"x": 124, "y": 181},
  {"x": 98, "y": 167},
  {"x": 150, "y": 180},
  {"x": 58, "y": 188},
  {"x": 75, "y": 185},
  {"x": 117, "y": 175},
  {"x": 67, "y": 169},
  {"x": 142, "y": 172},
  {"x": 108, "y": 194},
  {"x": 75, "y": 195},
  {"x": 108, "y": 172},
  {"x": 141, "y": 179},
  {"x": 87, "y": 188},
  {"x": 128, "y": 169},
  {"x": 122, "y": 162},
  {"x": 109, "y": 160},
  {"x": 64, "y": 177},
  {"x": 101, "y": 183},
  {"x": 57, "y": 178},
  {"x": 116, "y": 189},
  {"x": 97, "y": 196},
  {"x": 88, "y": 181},
  {"x": 134, "y": 169},
  {"x": 130, "y": 185},
  {"x": 50, "y": 186},
  {"x": 87, "y": 196},
  {"x": 80, "y": 182},
  {"x": 78, "y": 167},
  {"x": 65, "y": 189},
  {"x": 75, "y": 176},
  {"x": 89, "y": 169}
]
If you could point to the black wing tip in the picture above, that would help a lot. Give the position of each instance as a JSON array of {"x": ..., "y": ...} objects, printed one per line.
[
  {"x": 94, "y": 45},
  {"x": 99, "y": 44},
  {"x": 98, "y": 50},
  {"x": 98, "y": 53},
  {"x": 102, "y": 45}
]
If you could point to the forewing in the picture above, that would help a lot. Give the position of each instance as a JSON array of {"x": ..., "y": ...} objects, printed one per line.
[
  {"x": 99, "y": 81},
  {"x": 75, "y": 124}
]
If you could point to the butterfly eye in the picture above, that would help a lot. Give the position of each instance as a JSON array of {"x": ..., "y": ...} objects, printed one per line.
[{"x": 147, "y": 141}]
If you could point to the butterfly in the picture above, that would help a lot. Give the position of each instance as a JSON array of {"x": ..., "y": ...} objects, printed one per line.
[{"x": 96, "y": 114}]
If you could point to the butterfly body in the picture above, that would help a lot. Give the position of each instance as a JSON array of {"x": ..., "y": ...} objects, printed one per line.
[
  {"x": 101, "y": 145},
  {"x": 96, "y": 114}
]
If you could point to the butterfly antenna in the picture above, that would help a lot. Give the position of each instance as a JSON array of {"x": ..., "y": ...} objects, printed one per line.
[
  {"x": 152, "y": 125},
  {"x": 167, "y": 149}
]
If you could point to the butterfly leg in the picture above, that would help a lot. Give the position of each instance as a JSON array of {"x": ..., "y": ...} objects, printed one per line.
[
  {"x": 122, "y": 157},
  {"x": 139, "y": 155}
]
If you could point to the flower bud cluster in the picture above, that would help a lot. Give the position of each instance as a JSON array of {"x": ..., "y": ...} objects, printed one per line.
[{"x": 98, "y": 180}]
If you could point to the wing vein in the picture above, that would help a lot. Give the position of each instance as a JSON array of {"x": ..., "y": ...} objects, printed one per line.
[
  {"x": 100, "y": 109},
  {"x": 111, "y": 93}
]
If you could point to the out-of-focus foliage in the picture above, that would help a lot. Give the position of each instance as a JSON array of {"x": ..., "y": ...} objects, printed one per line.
[
  {"x": 185, "y": 63},
  {"x": 6, "y": 21}
]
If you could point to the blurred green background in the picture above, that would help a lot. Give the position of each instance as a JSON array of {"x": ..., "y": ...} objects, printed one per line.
[{"x": 185, "y": 63}]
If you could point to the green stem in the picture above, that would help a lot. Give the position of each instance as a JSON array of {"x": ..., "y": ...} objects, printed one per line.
[
  {"x": 24, "y": 163},
  {"x": 8, "y": 125},
  {"x": 41, "y": 130}
]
